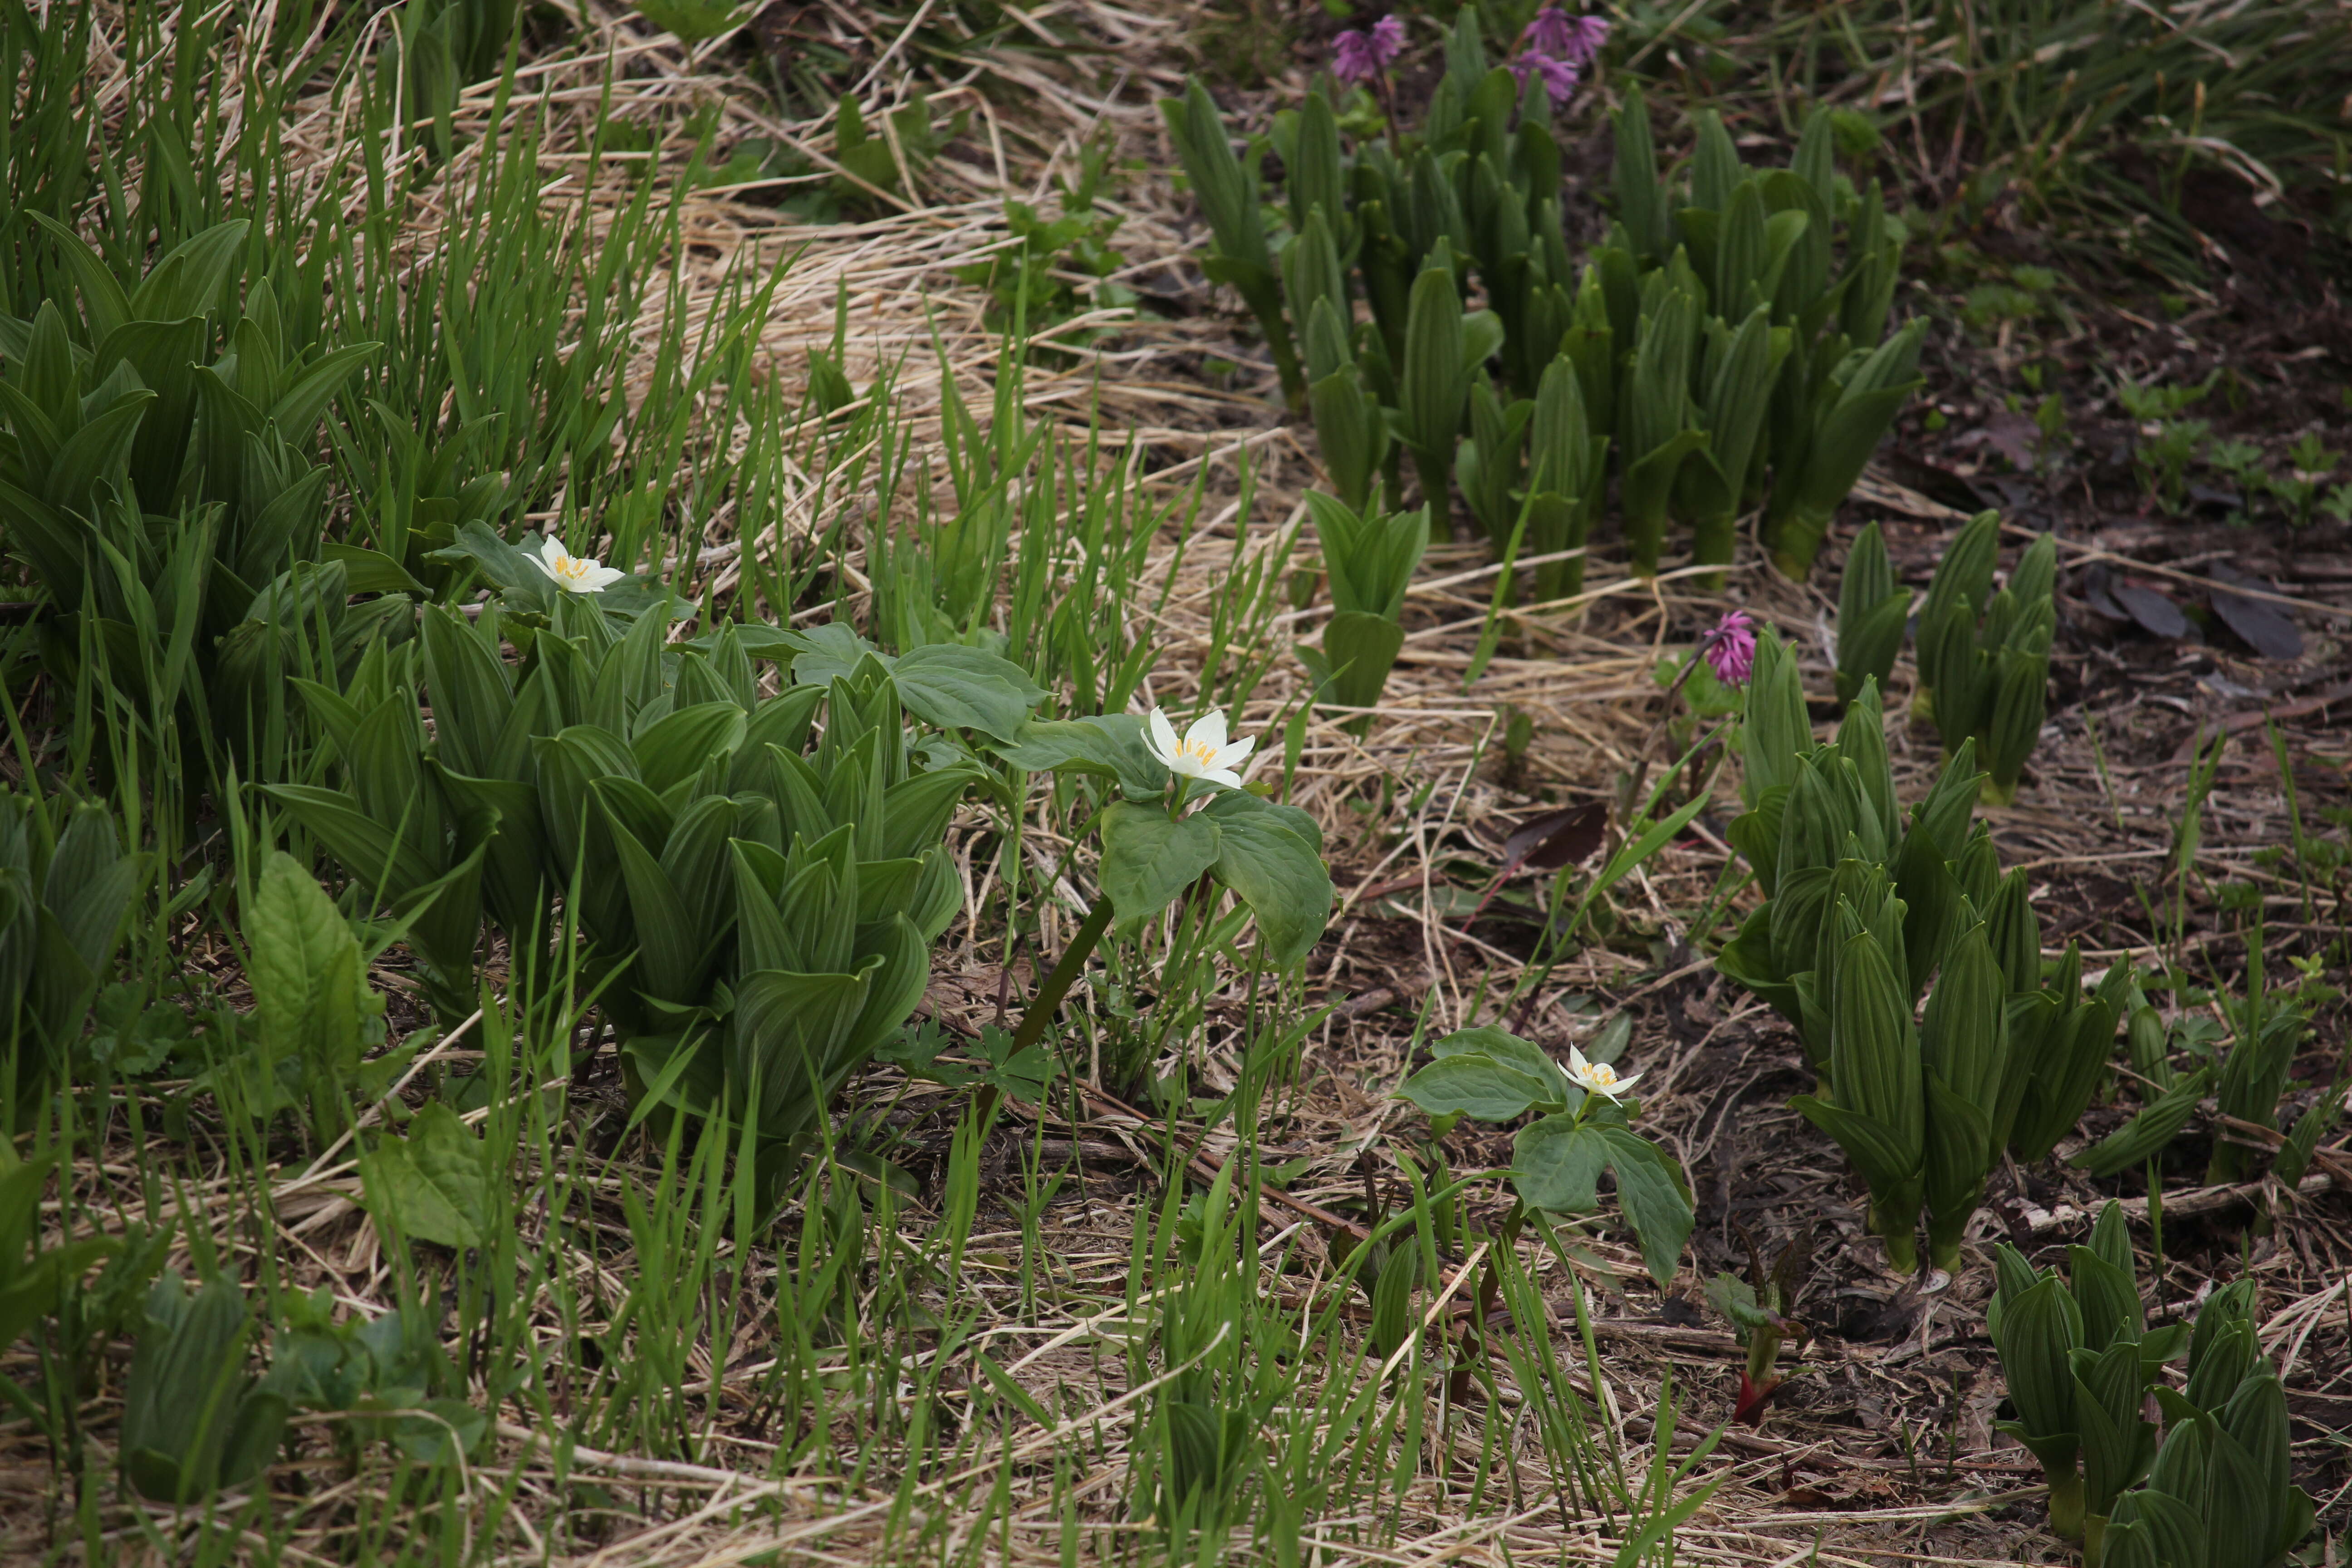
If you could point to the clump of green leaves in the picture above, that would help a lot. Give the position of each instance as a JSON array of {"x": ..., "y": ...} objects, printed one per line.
[
  {"x": 2077, "y": 1353},
  {"x": 193, "y": 1419},
  {"x": 2081, "y": 1361},
  {"x": 1370, "y": 561},
  {"x": 1491, "y": 1075},
  {"x": 37, "y": 1276},
  {"x": 371, "y": 1372},
  {"x": 2168, "y": 442},
  {"x": 1984, "y": 657},
  {"x": 1863, "y": 910},
  {"x": 1718, "y": 339},
  {"x": 2265, "y": 1028},
  {"x": 67, "y": 891},
  {"x": 1034, "y": 282},
  {"x": 759, "y": 915},
  {"x": 869, "y": 169}
]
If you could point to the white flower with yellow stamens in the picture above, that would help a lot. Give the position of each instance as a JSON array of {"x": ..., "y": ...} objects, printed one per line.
[
  {"x": 574, "y": 573},
  {"x": 1598, "y": 1078},
  {"x": 1203, "y": 752}
]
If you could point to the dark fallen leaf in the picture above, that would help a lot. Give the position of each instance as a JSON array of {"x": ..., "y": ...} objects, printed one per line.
[
  {"x": 2221, "y": 495},
  {"x": 2152, "y": 610},
  {"x": 1557, "y": 838},
  {"x": 2098, "y": 586},
  {"x": 1930, "y": 479},
  {"x": 2014, "y": 435},
  {"x": 2009, "y": 492},
  {"x": 1679, "y": 1313},
  {"x": 2263, "y": 627}
]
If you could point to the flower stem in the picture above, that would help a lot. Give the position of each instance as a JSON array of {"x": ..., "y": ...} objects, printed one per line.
[{"x": 1057, "y": 985}]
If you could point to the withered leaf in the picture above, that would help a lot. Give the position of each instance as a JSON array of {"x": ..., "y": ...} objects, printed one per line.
[
  {"x": 2265, "y": 627},
  {"x": 1557, "y": 838},
  {"x": 2152, "y": 610}
]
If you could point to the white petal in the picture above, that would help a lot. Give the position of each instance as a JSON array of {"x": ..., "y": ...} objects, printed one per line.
[
  {"x": 1625, "y": 1083},
  {"x": 551, "y": 553},
  {"x": 600, "y": 576},
  {"x": 1208, "y": 732},
  {"x": 1575, "y": 1062},
  {"x": 1231, "y": 756},
  {"x": 1163, "y": 735},
  {"x": 544, "y": 567},
  {"x": 1225, "y": 776}
]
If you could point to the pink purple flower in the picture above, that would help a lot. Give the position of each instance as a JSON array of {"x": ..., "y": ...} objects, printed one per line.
[
  {"x": 1559, "y": 77},
  {"x": 1730, "y": 647},
  {"x": 1361, "y": 54},
  {"x": 1576, "y": 39}
]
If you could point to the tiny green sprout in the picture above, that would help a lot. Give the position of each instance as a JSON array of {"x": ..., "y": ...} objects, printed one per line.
[
  {"x": 2050, "y": 417},
  {"x": 1518, "y": 735},
  {"x": 1855, "y": 135}
]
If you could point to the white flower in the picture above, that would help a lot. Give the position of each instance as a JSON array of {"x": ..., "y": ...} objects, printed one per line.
[
  {"x": 1203, "y": 753},
  {"x": 1598, "y": 1078},
  {"x": 574, "y": 573}
]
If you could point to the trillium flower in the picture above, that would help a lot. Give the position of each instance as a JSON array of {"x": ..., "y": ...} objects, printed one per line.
[
  {"x": 1203, "y": 753},
  {"x": 1598, "y": 1078},
  {"x": 574, "y": 573},
  {"x": 1730, "y": 647}
]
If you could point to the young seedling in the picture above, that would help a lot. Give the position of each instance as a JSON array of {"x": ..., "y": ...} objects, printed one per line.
[{"x": 1757, "y": 1308}]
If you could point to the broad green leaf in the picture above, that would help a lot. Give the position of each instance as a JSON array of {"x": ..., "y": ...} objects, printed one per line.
[
  {"x": 1556, "y": 1164},
  {"x": 1523, "y": 1055},
  {"x": 303, "y": 963},
  {"x": 1109, "y": 745},
  {"x": 1149, "y": 860},
  {"x": 1652, "y": 1197},
  {"x": 1360, "y": 649},
  {"x": 434, "y": 1183},
  {"x": 2149, "y": 1131},
  {"x": 1279, "y": 875},
  {"x": 2040, "y": 1329},
  {"x": 679, "y": 744},
  {"x": 958, "y": 687},
  {"x": 1474, "y": 1084}
]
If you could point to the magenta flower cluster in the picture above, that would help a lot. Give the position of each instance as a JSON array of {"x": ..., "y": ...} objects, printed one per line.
[
  {"x": 1556, "y": 47},
  {"x": 1363, "y": 54},
  {"x": 1730, "y": 647}
]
